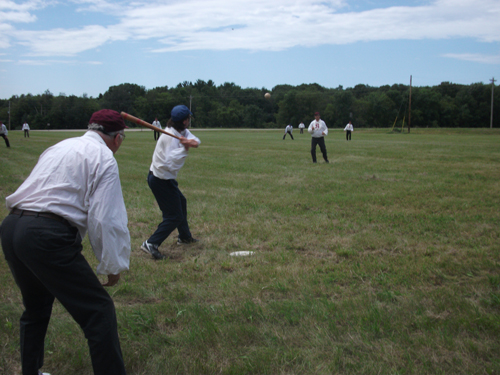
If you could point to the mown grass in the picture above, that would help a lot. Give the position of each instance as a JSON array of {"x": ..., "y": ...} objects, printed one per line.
[{"x": 384, "y": 261}]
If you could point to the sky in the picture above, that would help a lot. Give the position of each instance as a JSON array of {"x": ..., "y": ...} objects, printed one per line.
[{"x": 82, "y": 47}]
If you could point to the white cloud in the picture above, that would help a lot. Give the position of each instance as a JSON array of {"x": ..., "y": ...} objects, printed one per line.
[
  {"x": 475, "y": 57},
  {"x": 260, "y": 24},
  {"x": 67, "y": 42},
  {"x": 52, "y": 62}
]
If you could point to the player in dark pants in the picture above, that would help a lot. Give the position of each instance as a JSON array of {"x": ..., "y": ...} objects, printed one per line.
[
  {"x": 173, "y": 206},
  {"x": 44, "y": 256},
  {"x": 3, "y": 133},
  {"x": 288, "y": 130},
  {"x": 321, "y": 143},
  {"x": 348, "y": 129},
  {"x": 168, "y": 158},
  {"x": 42, "y": 242},
  {"x": 318, "y": 130}
]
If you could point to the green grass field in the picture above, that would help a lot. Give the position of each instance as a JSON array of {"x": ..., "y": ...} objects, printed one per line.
[{"x": 385, "y": 261}]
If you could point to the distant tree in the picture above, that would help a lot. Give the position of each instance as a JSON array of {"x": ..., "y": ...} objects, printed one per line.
[{"x": 122, "y": 97}]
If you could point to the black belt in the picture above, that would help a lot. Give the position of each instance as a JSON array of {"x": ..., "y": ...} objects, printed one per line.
[{"x": 48, "y": 215}]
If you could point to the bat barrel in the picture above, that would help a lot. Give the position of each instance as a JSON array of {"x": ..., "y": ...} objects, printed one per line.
[{"x": 138, "y": 121}]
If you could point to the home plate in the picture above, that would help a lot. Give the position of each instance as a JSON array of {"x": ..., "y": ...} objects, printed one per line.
[{"x": 241, "y": 253}]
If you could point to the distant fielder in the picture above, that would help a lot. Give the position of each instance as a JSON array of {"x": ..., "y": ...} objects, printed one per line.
[
  {"x": 348, "y": 129},
  {"x": 26, "y": 129},
  {"x": 301, "y": 127},
  {"x": 318, "y": 130},
  {"x": 158, "y": 125},
  {"x": 288, "y": 130},
  {"x": 3, "y": 133}
]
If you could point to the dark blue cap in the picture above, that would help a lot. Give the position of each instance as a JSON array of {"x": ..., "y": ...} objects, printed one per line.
[{"x": 180, "y": 112}]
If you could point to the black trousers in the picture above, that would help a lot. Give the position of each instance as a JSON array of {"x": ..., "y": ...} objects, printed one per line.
[
  {"x": 156, "y": 135},
  {"x": 45, "y": 258},
  {"x": 26, "y": 133},
  {"x": 321, "y": 142},
  {"x": 6, "y": 140},
  {"x": 173, "y": 206},
  {"x": 288, "y": 133},
  {"x": 348, "y": 135}
]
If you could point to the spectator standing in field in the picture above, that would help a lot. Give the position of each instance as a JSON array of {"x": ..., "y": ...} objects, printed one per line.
[
  {"x": 168, "y": 158},
  {"x": 348, "y": 129},
  {"x": 73, "y": 189},
  {"x": 26, "y": 129},
  {"x": 158, "y": 125},
  {"x": 3, "y": 133},
  {"x": 301, "y": 127},
  {"x": 288, "y": 130},
  {"x": 318, "y": 130}
]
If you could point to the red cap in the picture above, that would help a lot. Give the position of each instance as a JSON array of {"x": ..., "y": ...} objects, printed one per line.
[
  {"x": 316, "y": 114},
  {"x": 111, "y": 120}
]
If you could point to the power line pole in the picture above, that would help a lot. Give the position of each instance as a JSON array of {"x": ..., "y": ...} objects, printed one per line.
[
  {"x": 409, "y": 110},
  {"x": 190, "y": 99},
  {"x": 492, "y": 89}
]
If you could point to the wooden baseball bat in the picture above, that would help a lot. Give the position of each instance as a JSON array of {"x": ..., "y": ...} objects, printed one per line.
[{"x": 138, "y": 121}]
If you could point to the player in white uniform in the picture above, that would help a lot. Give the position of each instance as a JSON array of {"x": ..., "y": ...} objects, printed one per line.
[
  {"x": 73, "y": 189},
  {"x": 318, "y": 130},
  {"x": 158, "y": 125},
  {"x": 26, "y": 129},
  {"x": 288, "y": 130},
  {"x": 168, "y": 158},
  {"x": 302, "y": 127},
  {"x": 3, "y": 133},
  {"x": 348, "y": 129}
]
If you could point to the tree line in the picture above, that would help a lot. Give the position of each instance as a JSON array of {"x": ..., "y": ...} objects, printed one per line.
[{"x": 231, "y": 106}]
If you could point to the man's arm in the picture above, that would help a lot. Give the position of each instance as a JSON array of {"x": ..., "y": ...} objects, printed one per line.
[{"x": 107, "y": 224}]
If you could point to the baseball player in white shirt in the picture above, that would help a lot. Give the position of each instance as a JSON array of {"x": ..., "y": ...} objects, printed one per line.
[
  {"x": 288, "y": 130},
  {"x": 348, "y": 129},
  {"x": 3, "y": 133},
  {"x": 158, "y": 125},
  {"x": 26, "y": 129},
  {"x": 168, "y": 159},
  {"x": 73, "y": 189},
  {"x": 302, "y": 127},
  {"x": 317, "y": 128}
]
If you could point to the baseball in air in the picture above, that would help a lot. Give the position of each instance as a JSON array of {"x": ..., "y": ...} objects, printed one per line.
[{"x": 267, "y": 95}]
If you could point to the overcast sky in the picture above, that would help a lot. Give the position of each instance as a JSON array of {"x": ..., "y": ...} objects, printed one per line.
[{"x": 77, "y": 47}]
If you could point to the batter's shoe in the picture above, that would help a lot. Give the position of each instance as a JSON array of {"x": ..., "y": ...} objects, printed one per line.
[
  {"x": 187, "y": 241},
  {"x": 152, "y": 250}
]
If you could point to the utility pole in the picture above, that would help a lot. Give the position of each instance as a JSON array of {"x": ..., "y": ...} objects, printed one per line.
[
  {"x": 190, "y": 98},
  {"x": 492, "y": 89},
  {"x": 409, "y": 110}
]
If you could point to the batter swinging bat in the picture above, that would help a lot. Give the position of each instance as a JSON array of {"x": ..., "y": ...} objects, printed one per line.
[{"x": 138, "y": 121}]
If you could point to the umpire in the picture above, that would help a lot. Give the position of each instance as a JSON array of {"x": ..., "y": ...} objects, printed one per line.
[{"x": 73, "y": 189}]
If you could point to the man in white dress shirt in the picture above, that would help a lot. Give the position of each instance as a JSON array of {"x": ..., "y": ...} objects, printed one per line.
[
  {"x": 302, "y": 127},
  {"x": 168, "y": 158},
  {"x": 288, "y": 130},
  {"x": 3, "y": 133},
  {"x": 317, "y": 128},
  {"x": 26, "y": 129},
  {"x": 348, "y": 129},
  {"x": 73, "y": 189},
  {"x": 158, "y": 125}
]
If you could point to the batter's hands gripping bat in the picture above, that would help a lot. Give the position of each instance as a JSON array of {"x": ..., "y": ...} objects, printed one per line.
[{"x": 138, "y": 121}]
